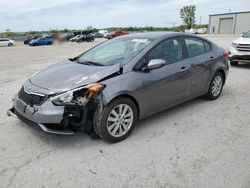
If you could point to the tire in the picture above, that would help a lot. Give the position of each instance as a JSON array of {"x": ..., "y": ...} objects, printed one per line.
[
  {"x": 10, "y": 44},
  {"x": 112, "y": 128},
  {"x": 234, "y": 63},
  {"x": 215, "y": 87}
]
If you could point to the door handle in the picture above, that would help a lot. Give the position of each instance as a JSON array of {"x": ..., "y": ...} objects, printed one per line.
[{"x": 183, "y": 69}]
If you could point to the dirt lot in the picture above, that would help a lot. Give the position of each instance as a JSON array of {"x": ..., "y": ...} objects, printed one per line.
[{"x": 197, "y": 144}]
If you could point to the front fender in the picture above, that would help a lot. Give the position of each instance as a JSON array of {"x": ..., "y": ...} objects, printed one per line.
[
  {"x": 125, "y": 84},
  {"x": 109, "y": 96}
]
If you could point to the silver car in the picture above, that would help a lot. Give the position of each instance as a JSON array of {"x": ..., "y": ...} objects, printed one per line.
[{"x": 108, "y": 88}]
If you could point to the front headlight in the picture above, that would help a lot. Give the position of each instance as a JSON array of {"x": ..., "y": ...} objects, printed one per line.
[
  {"x": 78, "y": 96},
  {"x": 234, "y": 45}
]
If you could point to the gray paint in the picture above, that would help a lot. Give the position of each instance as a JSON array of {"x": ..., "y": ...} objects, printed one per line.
[{"x": 153, "y": 90}]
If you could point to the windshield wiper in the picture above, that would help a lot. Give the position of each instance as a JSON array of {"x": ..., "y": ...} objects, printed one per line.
[
  {"x": 74, "y": 59},
  {"x": 91, "y": 63}
]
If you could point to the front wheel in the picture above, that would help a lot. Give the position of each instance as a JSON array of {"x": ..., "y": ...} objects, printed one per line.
[
  {"x": 116, "y": 121},
  {"x": 215, "y": 87},
  {"x": 10, "y": 44}
]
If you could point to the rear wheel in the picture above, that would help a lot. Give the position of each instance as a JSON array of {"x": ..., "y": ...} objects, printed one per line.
[
  {"x": 234, "y": 63},
  {"x": 216, "y": 86},
  {"x": 116, "y": 121}
]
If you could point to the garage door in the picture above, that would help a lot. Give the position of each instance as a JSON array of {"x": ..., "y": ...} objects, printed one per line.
[{"x": 226, "y": 26}]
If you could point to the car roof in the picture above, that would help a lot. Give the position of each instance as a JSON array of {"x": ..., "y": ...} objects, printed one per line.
[
  {"x": 162, "y": 35},
  {"x": 5, "y": 38},
  {"x": 154, "y": 35}
]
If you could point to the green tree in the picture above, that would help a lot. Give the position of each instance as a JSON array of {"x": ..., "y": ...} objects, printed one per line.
[
  {"x": 188, "y": 15},
  {"x": 65, "y": 30}
]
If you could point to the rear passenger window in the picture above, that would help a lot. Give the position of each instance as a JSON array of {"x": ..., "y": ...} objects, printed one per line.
[
  {"x": 195, "y": 46},
  {"x": 207, "y": 46}
]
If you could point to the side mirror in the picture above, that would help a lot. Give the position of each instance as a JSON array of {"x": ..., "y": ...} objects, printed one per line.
[{"x": 155, "y": 64}]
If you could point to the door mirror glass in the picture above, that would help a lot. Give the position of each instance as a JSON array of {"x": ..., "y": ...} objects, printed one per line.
[{"x": 156, "y": 64}]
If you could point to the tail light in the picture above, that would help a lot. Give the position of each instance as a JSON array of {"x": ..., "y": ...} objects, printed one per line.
[{"x": 226, "y": 54}]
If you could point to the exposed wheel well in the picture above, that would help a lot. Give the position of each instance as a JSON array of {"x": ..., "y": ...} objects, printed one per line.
[{"x": 132, "y": 99}]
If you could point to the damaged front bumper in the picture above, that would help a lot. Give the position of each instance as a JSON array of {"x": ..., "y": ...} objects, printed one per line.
[
  {"x": 49, "y": 117},
  {"x": 12, "y": 112}
]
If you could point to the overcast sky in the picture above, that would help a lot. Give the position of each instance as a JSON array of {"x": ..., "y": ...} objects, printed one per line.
[{"x": 26, "y": 15}]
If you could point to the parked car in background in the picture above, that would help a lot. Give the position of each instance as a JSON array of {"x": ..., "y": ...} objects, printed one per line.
[
  {"x": 31, "y": 37},
  {"x": 240, "y": 50},
  {"x": 116, "y": 34},
  {"x": 66, "y": 37},
  {"x": 121, "y": 81},
  {"x": 98, "y": 35},
  {"x": 41, "y": 41},
  {"x": 6, "y": 42},
  {"x": 85, "y": 38},
  {"x": 74, "y": 39}
]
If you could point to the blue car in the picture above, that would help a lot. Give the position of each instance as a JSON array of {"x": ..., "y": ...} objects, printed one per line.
[{"x": 41, "y": 41}]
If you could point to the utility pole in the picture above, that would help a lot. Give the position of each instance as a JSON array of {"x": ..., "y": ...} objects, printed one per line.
[{"x": 173, "y": 23}]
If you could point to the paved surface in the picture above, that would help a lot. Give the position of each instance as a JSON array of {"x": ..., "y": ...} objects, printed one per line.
[{"x": 197, "y": 144}]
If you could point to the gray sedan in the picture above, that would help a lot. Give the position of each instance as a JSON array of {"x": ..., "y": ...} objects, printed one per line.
[{"x": 108, "y": 88}]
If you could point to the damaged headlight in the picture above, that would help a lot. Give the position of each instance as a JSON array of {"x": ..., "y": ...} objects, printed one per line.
[{"x": 78, "y": 96}]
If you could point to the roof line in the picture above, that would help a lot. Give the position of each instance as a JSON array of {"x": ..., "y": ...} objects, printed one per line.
[{"x": 229, "y": 13}]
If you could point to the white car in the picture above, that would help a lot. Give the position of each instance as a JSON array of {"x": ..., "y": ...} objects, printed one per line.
[
  {"x": 6, "y": 42},
  {"x": 240, "y": 50}
]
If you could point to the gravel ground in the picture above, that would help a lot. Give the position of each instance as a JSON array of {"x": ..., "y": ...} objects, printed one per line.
[{"x": 196, "y": 144}]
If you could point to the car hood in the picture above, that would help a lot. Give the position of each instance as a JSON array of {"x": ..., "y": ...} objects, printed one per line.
[
  {"x": 242, "y": 40},
  {"x": 69, "y": 75}
]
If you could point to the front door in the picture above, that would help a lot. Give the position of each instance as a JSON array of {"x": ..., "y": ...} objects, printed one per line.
[{"x": 167, "y": 85}]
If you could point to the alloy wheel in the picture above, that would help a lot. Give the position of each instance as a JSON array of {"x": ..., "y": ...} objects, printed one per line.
[
  {"x": 217, "y": 85},
  {"x": 120, "y": 120}
]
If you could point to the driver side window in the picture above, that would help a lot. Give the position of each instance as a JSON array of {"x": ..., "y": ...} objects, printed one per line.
[{"x": 170, "y": 50}]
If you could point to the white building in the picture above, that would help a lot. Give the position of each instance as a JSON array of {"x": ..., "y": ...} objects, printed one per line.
[{"x": 229, "y": 23}]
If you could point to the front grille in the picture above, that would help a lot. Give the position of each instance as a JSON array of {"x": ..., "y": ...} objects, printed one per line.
[
  {"x": 243, "y": 47},
  {"x": 31, "y": 99}
]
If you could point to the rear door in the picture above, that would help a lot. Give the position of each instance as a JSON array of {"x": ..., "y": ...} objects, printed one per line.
[
  {"x": 201, "y": 57},
  {"x": 167, "y": 85}
]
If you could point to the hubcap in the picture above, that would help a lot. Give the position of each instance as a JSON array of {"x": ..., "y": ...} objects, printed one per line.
[
  {"x": 120, "y": 120},
  {"x": 217, "y": 86}
]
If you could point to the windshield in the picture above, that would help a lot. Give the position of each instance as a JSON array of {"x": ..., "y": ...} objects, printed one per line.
[
  {"x": 247, "y": 35},
  {"x": 115, "y": 51}
]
